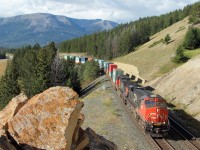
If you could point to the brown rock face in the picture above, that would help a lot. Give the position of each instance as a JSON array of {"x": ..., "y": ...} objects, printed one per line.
[
  {"x": 97, "y": 142},
  {"x": 48, "y": 120},
  {"x": 11, "y": 109},
  {"x": 5, "y": 116}
]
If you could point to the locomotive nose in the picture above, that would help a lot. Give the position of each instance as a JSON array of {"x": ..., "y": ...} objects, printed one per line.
[{"x": 157, "y": 115}]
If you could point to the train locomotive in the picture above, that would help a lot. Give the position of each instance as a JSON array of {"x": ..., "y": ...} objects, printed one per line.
[{"x": 150, "y": 109}]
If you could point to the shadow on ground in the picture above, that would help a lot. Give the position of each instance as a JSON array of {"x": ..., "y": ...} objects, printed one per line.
[{"x": 187, "y": 121}]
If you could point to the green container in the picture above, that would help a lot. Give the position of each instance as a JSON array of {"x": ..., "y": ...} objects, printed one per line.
[
  {"x": 111, "y": 74},
  {"x": 116, "y": 73},
  {"x": 66, "y": 57}
]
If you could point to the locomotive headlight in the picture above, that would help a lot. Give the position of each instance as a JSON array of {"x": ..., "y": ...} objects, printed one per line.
[{"x": 164, "y": 122}]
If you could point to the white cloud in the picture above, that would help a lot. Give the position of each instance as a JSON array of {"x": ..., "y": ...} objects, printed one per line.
[{"x": 116, "y": 10}]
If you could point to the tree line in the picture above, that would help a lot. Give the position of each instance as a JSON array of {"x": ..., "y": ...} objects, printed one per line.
[
  {"x": 127, "y": 37},
  {"x": 191, "y": 42},
  {"x": 34, "y": 69}
]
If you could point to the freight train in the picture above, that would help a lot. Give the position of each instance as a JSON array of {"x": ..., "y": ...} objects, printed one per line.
[{"x": 148, "y": 108}]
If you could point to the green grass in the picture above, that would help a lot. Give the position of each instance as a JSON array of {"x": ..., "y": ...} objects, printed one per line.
[
  {"x": 156, "y": 43},
  {"x": 180, "y": 29},
  {"x": 168, "y": 67},
  {"x": 192, "y": 53}
]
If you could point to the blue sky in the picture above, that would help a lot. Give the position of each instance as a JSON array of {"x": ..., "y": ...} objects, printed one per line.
[{"x": 120, "y": 11}]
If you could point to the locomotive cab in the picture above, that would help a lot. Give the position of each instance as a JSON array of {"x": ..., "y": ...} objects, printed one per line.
[{"x": 154, "y": 111}]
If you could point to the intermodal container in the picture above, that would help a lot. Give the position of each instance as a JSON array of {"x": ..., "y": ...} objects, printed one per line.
[
  {"x": 101, "y": 63},
  {"x": 116, "y": 73},
  {"x": 111, "y": 67},
  {"x": 107, "y": 67},
  {"x": 66, "y": 57},
  {"x": 77, "y": 60},
  {"x": 83, "y": 60},
  {"x": 104, "y": 66}
]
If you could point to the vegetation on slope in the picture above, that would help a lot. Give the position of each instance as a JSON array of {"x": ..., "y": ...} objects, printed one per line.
[
  {"x": 153, "y": 61},
  {"x": 125, "y": 38},
  {"x": 191, "y": 42}
]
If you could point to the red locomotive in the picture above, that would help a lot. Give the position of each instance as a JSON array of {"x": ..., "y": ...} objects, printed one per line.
[{"x": 148, "y": 108}]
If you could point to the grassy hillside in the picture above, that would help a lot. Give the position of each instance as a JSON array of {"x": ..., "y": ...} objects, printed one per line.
[
  {"x": 3, "y": 64},
  {"x": 153, "y": 59}
]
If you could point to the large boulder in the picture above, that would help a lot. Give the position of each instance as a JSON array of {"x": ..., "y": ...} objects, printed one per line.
[
  {"x": 11, "y": 109},
  {"x": 48, "y": 120},
  {"x": 97, "y": 142},
  {"x": 6, "y": 115}
]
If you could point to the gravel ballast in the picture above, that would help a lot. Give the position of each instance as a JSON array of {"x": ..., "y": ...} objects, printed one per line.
[{"x": 107, "y": 117}]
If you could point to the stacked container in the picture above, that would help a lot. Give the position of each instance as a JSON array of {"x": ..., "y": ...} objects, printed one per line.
[
  {"x": 77, "y": 60},
  {"x": 72, "y": 58},
  {"x": 101, "y": 63},
  {"x": 104, "y": 66},
  {"x": 110, "y": 69},
  {"x": 107, "y": 67},
  {"x": 66, "y": 57},
  {"x": 83, "y": 59},
  {"x": 116, "y": 73}
]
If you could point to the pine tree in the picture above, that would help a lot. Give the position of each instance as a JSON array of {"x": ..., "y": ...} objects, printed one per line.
[
  {"x": 167, "y": 38},
  {"x": 43, "y": 72},
  {"x": 91, "y": 71},
  {"x": 28, "y": 78},
  {"x": 9, "y": 87},
  {"x": 180, "y": 57},
  {"x": 191, "y": 39}
]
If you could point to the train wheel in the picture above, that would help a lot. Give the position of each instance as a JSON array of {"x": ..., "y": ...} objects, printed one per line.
[
  {"x": 136, "y": 116},
  {"x": 125, "y": 101}
]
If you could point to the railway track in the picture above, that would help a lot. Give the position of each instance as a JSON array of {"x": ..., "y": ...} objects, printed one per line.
[
  {"x": 163, "y": 144},
  {"x": 92, "y": 86},
  {"x": 177, "y": 133},
  {"x": 190, "y": 141},
  {"x": 187, "y": 139},
  {"x": 135, "y": 122}
]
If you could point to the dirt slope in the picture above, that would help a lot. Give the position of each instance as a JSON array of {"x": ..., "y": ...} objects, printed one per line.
[
  {"x": 182, "y": 87},
  {"x": 3, "y": 64},
  {"x": 150, "y": 61}
]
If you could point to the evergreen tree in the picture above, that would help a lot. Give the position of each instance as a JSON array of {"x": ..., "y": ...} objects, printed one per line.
[
  {"x": 91, "y": 71},
  {"x": 9, "y": 87},
  {"x": 29, "y": 71},
  {"x": 167, "y": 38},
  {"x": 180, "y": 57},
  {"x": 43, "y": 71},
  {"x": 192, "y": 39}
]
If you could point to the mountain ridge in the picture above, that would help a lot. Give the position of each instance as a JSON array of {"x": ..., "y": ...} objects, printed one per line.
[{"x": 43, "y": 28}]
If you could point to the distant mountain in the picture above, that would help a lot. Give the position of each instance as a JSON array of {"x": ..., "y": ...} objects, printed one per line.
[{"x": 43, "y": 28}]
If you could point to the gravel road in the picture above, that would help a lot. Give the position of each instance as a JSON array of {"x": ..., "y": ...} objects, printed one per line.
[{"x": 106, "y": 116}]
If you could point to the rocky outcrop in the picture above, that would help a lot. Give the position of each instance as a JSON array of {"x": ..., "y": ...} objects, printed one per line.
[
  {"x": 5, "y": 116},
  {"x": 50, "y": 120},
  {"x": 11, "y": 109},
  {"x": 98, "y": 142}
]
